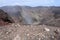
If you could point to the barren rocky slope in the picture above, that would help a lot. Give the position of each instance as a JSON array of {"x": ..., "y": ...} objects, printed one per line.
[
  {"x": 34, "y": 15},
  {"x": 29, "y": 32},
  {"x": 29, "y": 23}
]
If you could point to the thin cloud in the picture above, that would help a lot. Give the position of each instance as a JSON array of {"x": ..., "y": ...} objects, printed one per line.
[{"x": 27, "y": 2}]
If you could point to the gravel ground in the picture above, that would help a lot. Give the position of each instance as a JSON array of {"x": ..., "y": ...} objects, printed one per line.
[{"x": 16, "y": 31}]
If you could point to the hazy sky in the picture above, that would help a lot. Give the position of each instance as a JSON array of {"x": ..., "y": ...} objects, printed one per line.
[{"x": 30, "y": 2}]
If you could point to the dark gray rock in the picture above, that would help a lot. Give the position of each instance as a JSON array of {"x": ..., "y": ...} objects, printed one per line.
[
  {"x": 34, "y": 15},
  {"x": 4, "y": 18}
]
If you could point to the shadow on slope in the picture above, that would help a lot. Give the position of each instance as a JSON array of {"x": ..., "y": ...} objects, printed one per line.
[{"x": 4, "y": 18}]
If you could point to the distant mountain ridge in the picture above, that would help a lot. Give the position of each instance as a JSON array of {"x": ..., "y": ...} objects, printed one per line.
[{"x": 34, "y": 15}]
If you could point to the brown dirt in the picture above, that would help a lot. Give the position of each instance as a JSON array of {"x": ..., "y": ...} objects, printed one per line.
[
  {"x": 2, "y": 23},
  {"x": 29, "y": 32}
]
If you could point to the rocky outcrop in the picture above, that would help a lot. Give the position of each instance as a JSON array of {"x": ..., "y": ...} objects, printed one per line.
[
  {"x": 13, "y": 12},
  {"x": 4, "y": 18},
  {"x": 34, "y": 15}
]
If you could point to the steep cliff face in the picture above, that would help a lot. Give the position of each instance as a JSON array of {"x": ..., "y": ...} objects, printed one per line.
[
  {"x": 13, "y": 12},
  {"x": 4, "y": 18},
  {"x": 34, "y": 15}
]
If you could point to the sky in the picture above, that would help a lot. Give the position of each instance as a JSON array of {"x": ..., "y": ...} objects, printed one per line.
[{"x": 30, "y": 2}]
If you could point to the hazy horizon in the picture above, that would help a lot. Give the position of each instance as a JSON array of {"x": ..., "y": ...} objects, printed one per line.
[{"x": 32, "y": 3}]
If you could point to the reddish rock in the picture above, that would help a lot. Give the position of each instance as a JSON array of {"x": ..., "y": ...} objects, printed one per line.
[{"x": 4, "y": 18}]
